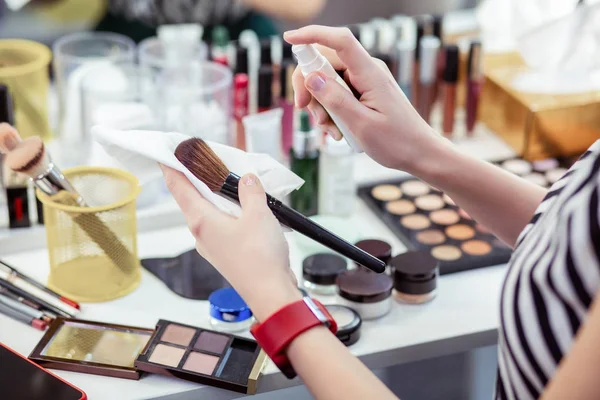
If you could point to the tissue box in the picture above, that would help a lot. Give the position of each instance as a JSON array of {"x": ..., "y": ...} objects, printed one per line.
[{"x": 537, "y": 126}]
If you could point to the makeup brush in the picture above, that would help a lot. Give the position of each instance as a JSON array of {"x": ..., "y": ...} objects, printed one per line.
[
  {"x": 29, "y": 157},
  {"x": 205, "y": 165}
]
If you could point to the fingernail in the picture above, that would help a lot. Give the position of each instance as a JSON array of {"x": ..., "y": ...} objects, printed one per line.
[
  {"x": 315, "y": 82},
  {"x": 295, "y": 100},
  {"x": 250, "y": 180},
  {"x": 290, "y": 32}
]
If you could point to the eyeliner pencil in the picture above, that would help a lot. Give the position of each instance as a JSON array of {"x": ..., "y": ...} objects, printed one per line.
[{"x": 7, "y": 285}]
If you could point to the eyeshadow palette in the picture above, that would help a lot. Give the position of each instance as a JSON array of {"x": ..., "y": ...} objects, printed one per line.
[
  {"x": 92, "y": 347},
  {"x": 424, "y": 218},
  {"x": 203, "y": 356}
]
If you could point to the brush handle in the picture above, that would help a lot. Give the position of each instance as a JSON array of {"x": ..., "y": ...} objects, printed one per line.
[{"x": 309, "y": 228}]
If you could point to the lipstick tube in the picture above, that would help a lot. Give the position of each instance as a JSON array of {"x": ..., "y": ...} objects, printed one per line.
[
  {"x": 405, "y": 52},
  {"x": 449, "y": 80},
  {"x": 241, "y": 95},
  {"x": 286, "y": 102},
  {"x": 474, "y": 85},
  {"x": 430, "y": 46}
]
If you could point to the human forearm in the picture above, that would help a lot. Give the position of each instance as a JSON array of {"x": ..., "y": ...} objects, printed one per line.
[
  {"x": 330, "y": 371},
  {"x": 296, "y": 11},
  {"x": 502, "y": 202}
]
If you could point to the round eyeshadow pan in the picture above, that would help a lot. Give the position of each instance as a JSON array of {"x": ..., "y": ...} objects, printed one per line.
[
  {"x": 446, "y": 253},
  {"x": 517, "y": 166},
  {"x": 476, "y": 247},
  {"x": 448, "y": 200},
  {"x": 460, "y": 232},
  {"x": 415, "y": 188},
  {"x": 400, "y": 207},
  {"x": 554, "y": 175},
  {"x": 386, "y": 192},
  {"x": 536, "y": 178},
  {"x": 444, "y": 217},
  {"x": 415, "y": 222},
  {"x": 545, "y": 165},
  {"x": 431, "y": 237},
  {"x": 429, "y": 202}
]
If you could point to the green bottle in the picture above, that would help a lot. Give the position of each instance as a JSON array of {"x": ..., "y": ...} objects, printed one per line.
[{"x": 304, "y": 162}]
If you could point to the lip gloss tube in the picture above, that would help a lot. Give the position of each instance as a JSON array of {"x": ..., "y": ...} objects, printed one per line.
[
  {"x": 286, "y": 102},
  {"x": 449, "y": 80},
  {"x": 474, "y": 85},
  {"x": 240, "y": 95},
  {"x": 430, "y": 46},
  {"x": 423, "y": 29}
]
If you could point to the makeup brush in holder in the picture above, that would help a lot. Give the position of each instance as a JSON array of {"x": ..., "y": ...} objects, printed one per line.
[{"x": 92, "y": 249}]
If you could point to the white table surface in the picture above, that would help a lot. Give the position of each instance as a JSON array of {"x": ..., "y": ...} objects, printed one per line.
[{"x": 462, "y": 317}]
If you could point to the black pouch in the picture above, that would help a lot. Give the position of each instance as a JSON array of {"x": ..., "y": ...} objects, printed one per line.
[{"x": 189, "y": 274}]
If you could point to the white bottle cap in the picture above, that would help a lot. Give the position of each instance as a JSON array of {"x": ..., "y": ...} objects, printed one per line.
[
  {"x": 309, "y": 58},
  {"x": 428, "y": 62}
]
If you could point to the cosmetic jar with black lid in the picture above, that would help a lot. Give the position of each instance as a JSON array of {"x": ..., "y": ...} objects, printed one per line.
[
  {"x": 369, "y": 294},
  {"x": 320, "y": 271},
  {"x": 415, "y": 277},
  {"x": 377, "y": 248},
  {"x": 348, "y": 322}
]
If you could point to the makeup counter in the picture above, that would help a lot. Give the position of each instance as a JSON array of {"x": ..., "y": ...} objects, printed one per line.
[{"x": 462, "y": 317}]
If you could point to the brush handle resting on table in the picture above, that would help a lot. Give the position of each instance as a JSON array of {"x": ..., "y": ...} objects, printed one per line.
[{"x": 308, "y": 228}]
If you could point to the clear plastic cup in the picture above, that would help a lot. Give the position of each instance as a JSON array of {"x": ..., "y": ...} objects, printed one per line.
[
  {"x": 196, "y": 100},
  {"x": 155, "y": 58},
  {"x": 74, "y": 55},
  {"x": 110, "y": 96}
]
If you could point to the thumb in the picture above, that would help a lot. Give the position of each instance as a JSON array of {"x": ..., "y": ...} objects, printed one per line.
[
  {"x": 336, "y": 98},
  {"x": 252, "y": 197}
]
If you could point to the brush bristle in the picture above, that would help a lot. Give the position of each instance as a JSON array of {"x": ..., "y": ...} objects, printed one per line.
[
  {"x": 9, "y": 137},
  {"x": 202, "y": 162},
  {"x": 28, "y": 157}
]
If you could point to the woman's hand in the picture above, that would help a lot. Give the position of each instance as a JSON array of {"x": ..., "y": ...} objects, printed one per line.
[
  {"x": 249, "y": 251},
  {"x": 383, "y": 120}
]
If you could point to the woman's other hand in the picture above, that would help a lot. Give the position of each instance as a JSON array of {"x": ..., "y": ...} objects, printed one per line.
[
  {"x": 249, "y": 251},
  {"x": 384, "y": 122}
]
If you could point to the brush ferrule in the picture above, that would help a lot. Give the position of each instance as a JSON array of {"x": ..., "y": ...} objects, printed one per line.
[
  {"x": 52, "y": 181},
  {"x": 230, "y": 187}
]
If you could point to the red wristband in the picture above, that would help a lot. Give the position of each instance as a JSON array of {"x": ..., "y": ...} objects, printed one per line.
[{"x": 276, "y": 333}]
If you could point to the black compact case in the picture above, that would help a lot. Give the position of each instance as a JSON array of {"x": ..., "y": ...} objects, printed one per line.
[
  {"x": 499, "y": 254},
  {"x": 238, "y": 368}
]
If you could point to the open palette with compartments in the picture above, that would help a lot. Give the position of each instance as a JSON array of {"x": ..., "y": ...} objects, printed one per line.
[{"x": 424, "y": 218}]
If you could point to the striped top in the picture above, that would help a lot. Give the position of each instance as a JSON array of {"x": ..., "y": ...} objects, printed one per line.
[
  {"x": 158, "y": 12},
  {"x": 553, "y": 277}
]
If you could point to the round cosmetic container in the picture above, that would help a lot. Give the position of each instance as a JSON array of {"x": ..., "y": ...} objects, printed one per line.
[
  {"x": 415, "y": 277},
  {"x": 377, "y": 248},
  {"x": 348, "y": 322},
  {"x": 228, "y": 311},
  {"x": 320, "y": 271},
  {"x": 367, "y": 293}
]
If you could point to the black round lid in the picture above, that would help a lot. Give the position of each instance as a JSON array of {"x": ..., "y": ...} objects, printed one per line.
[
  {"x": 451, "y": 66},
  {"x": 6, "y": 106},
  {"x": 376, "y": 248},
  {"x": 265, "y": 87},
  {"x": 348, "y": 322},
  {"x": 473, "y": 48},
  {"x": 241, "y": 60},
  {"x": 364, "y": 287},
  {"x": 265, "y": 52},
  {"x": 323, "y": 268},
  {"x": 415, "y": 272}
]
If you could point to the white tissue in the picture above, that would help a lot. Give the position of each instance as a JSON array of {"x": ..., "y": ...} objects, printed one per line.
[{"x": 140, "y": 152}]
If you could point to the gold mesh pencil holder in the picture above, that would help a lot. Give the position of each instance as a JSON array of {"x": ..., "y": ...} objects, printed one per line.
[{"x": 93, "y": 250}]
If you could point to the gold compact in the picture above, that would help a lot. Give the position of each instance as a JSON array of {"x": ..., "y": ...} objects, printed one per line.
[{"x": 92, "y": 347}]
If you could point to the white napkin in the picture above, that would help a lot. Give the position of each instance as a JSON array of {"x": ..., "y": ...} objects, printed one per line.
[{"x": 140, "y": 151}]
